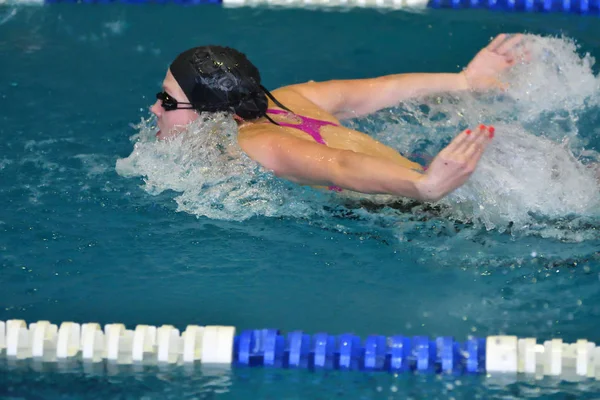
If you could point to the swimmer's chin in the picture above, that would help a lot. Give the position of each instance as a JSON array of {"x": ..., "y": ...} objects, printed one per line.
[{"x": 162, "y": 136}]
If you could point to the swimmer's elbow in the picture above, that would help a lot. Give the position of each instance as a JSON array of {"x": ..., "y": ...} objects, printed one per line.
[
  {"x": 281, "y": 171},
  {"x": 277, "y": 166}
]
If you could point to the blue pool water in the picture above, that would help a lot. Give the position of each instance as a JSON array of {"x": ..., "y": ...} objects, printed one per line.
[{"x": 93, "y": 230}]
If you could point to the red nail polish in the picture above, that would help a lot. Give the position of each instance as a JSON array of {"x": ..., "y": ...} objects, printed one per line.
[
  {"x": 491, "y": 129},
  {"x": 468, "y": 131},
  {"x": 481, "y": 127}
]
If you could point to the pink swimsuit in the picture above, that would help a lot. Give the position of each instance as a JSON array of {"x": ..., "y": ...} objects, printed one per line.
[{"x": 310, "y": 126}]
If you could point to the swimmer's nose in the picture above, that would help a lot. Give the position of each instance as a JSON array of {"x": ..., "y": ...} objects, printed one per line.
[{"x": 156, "y": 108}]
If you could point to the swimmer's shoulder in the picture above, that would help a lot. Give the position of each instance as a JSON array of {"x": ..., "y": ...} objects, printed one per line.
[
  {"x": 283, "y": 149},
  {"x": 294, "y": 98},
  {"x": 263, "y": 133}
]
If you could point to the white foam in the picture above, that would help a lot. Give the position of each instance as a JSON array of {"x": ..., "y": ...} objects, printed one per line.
[
  {"x": 94, "y": 164},
  {"x": 558, "y": 80},
  {"x": 532, "y": 178},
  {"x": 523, "y": 174},
  {"x": 213, "y": 177},
  {"x": 8, "y": 16},
  {"x": 4, "y": 162}
]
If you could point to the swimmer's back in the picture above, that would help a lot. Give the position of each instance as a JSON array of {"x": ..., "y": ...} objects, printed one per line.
[{"x": 335, "y": 136}]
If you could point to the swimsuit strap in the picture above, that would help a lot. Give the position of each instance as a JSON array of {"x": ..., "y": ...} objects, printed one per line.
[{"x": 308, "y": 125}]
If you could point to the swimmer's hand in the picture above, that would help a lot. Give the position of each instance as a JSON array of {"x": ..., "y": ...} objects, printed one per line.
[
  {"x": 484, "y": 70},
  {"x": 453, "y": 166}
]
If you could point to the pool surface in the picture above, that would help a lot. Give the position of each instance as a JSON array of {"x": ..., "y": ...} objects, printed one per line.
[{"x": 100, "y": 223}]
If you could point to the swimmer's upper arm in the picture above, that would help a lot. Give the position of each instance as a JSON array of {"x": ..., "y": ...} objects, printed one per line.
[
  {"x": 358, "y": 97},
  {"x": 309, "y": 163},
  {"x": 294, "y": 159},
  {"x": 341, "y": 98}
]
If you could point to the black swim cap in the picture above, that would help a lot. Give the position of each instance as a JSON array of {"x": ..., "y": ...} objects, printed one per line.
[{"x": 216, "y": 78}]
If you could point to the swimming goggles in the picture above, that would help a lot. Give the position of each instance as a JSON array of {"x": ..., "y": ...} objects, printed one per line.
[{"x": 170, "y": 104}]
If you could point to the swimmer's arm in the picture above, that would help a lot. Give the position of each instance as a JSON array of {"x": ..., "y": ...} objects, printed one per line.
[
  {"x": 353, "y": 98},
  {"x": 359, "y": 97},
  {"x": 309, "y": 163}
]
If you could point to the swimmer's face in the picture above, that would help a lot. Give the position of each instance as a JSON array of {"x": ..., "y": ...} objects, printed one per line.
[{"x": 172, "y": 122}]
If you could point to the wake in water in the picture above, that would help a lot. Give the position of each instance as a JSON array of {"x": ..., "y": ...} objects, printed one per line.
[
  {"x": 533, "y": 179},
  {"x": 213, "y": 176}
]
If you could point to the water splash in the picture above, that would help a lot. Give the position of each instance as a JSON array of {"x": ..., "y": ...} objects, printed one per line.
[
  {"x": 537, "y": 172},
  {"x": 8, "y": 16},
  {"x": 212, "y": 175},
  {"x": 533, "y": 179}
]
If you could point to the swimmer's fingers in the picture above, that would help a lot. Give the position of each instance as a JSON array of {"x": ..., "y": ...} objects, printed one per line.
[
  {"x": 471, "y": 139},
  {"x": 522, "y": 55},
  {"x": 509, "y": 45},
  {"x": 476, "y": 148},
  {"x": 526, "y": 56},
  {"x": 458, "y": 142},
  {"x": 494, "y": 44}
]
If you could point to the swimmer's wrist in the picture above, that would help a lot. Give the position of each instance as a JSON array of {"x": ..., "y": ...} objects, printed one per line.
[
  {"x": 427, "y": 190},
  {"x": 463, "y": 81}
]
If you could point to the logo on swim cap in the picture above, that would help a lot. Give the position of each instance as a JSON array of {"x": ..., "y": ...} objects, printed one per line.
[
  {"x": 226, "y": 83},
  {"x": 216, "y": 78}
]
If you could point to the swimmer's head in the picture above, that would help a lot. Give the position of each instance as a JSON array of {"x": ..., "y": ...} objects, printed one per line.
[{"x": 209, "y": 79}]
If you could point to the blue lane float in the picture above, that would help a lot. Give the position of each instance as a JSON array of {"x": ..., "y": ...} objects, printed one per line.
[
  {"x": 396, "y": 354},
  {"x": 544, "y": 6},
  {"x": 270, "y": 348}
]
